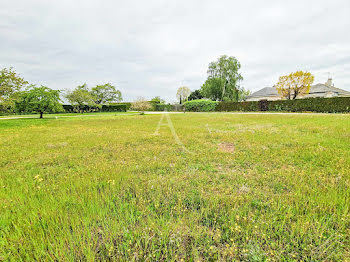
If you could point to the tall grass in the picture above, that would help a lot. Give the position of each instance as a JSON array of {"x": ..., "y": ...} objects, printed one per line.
[{"x": 107, "y": 188}]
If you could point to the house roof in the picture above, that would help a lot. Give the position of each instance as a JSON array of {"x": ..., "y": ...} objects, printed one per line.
[
  {"x": 315, "y": 89},
  {"x": 322, "y": 88},
  {"x": 266, "y": 91}
]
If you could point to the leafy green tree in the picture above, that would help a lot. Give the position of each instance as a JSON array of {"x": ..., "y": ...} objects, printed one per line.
[
  {"x": 212, "y": 88},
  {"x": 10, "y": 84},
  {"x": 182, "y": 94},
  {"x": 157, "y": 100},
  {"x": 196, "y": 94},
  {"x": 107, "y": 93},
  {"x": 81, "y": 97},
  {"x": 223, "y": 81},
  {"x": 39, "y": 99}
]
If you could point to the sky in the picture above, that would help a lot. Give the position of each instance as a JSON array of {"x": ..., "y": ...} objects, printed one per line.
[{"x": 150, "y": 48}]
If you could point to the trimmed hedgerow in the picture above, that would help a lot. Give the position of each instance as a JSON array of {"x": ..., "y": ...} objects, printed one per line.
[
  {"x": 238, "y": 106},
  {"x": 201, "y": 105},
  {"x": 128, "y": 104},
  {"x": 323, "y": 105},
  {"x": 104, "y": 108},
  {"x": 114, "y": 108},
  {"x": 163, "y": 107}
]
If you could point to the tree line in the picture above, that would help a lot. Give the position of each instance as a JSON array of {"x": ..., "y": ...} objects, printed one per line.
[
  {"x": 223, "y": 83},
  {"x": 17, "y": 95}
]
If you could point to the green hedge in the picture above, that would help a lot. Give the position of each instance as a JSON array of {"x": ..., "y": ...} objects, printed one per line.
[
  {"x": 201, "y": 105},
  {"x": 163, "y": 107},
  {"x": 104, "y": 108},
  {"x": 114, "y": 108},
  {"x": 321, "y": 105},
  {"x": 238, "y": 106},
  {"x": 128, "y": 104}
]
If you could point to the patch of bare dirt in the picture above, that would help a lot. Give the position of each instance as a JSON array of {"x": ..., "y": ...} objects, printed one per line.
[{"x": 226, "y": 147}]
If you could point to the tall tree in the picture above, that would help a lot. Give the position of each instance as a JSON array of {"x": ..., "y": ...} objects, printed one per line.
[
  {"x": 39, "y": 99},
  {"x": 107, "y": 93},
  {"x": 10, "y": 84},
  {"x": 295, "y": 84},
  {"x": 213, "y": 88},
  {"x": 81, "y": 97},
  {"x": 183, "y": 93},
  {"x": 223, "y": 81},
  {"x": 196, "y": 94}
]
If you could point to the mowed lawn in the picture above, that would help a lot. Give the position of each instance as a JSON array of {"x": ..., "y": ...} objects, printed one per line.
[{"x": 248, "y": 187}]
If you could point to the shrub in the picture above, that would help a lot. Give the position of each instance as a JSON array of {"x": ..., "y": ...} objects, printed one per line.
[
  {"x": 201, "y": 105},
  {"x": 263, "y": 105},
  {"x": 141, "y": 105}
]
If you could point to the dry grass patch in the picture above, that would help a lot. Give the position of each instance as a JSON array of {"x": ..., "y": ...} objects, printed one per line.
[{"x": 226, "y": 147}]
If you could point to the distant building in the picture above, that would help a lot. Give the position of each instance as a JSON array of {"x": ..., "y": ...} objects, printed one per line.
[{"x": 319, "y": 90}]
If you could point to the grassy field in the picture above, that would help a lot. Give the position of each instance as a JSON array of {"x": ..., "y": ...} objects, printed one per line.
[{"x": 252, "y": 187}]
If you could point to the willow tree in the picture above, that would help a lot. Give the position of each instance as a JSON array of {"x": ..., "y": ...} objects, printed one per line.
[
  {"x": 224, "y": 79},
  {"x": 295, "y": 84}
]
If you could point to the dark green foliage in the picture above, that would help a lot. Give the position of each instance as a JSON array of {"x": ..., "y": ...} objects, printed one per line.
[
  {"x": 81, "y": 109},
  {"x": 196, "y": 94},
  {"x": 104, "y": 108},
  {"x": 164, "y": 107},
  {"x": 238, "y": 106},
  {"x": 321, "y": 105},
  {"x": 263, "y": 105},
  {"x": 168, "y": 107},
  {"x": 128, "y": 104},
  {"x": 201, "y": 105},
  {"x": 114, "y": 108}
]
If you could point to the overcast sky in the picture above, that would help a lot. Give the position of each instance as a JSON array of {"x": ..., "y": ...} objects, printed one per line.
[{"x": 150, "y": 48}]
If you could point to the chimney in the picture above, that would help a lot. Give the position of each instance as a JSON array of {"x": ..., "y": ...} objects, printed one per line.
[{"x": 329, "y": 82}]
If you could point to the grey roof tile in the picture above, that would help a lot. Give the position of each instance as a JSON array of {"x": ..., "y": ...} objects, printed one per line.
[{"x": 315, "y": 90}]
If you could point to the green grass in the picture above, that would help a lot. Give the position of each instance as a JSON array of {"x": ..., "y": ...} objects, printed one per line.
[
  {"x": 67, "y": 114},
  {"x": 107, "y": 188}
]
